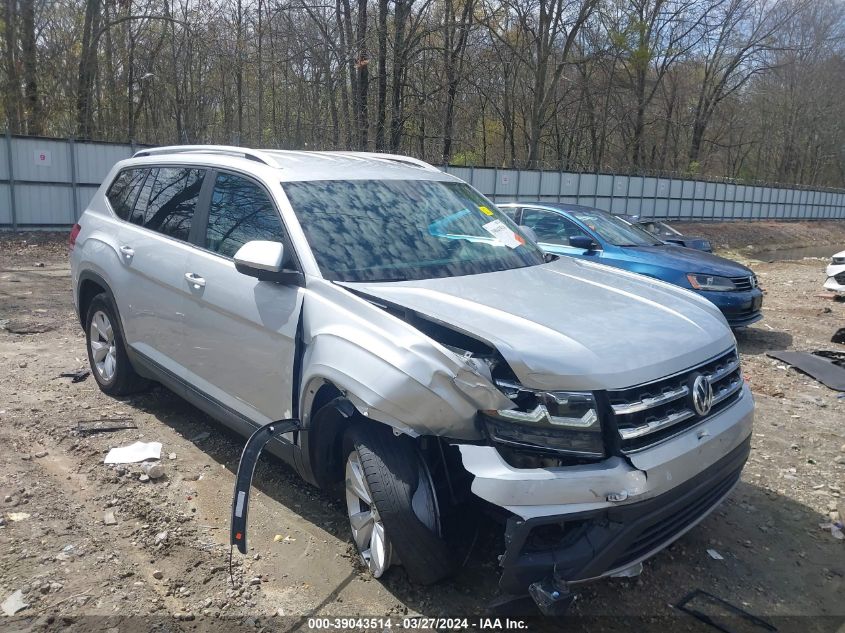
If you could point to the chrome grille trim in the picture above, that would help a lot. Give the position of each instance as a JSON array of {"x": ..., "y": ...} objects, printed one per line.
[
  {"x": 724, "y": 371},
  {"x": 679, "y": 416},
  {"x": 744, "y": 283},
  {"x": 651, "y": 427},
  {"x": 648, "y": 403},
  {"x": 652, "y": 412}
]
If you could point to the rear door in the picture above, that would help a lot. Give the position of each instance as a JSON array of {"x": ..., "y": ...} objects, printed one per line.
[
  {"x": 240, "y": 333},
  {"x": 154, "y": 246}
]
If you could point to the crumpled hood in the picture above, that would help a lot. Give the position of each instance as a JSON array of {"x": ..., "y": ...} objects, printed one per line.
[
  {"x": 686, "y": 260},
  {"x": 571, "y": 324}
]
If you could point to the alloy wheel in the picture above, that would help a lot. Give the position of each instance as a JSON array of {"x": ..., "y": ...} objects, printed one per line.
[{"x": 102, "y": 344}]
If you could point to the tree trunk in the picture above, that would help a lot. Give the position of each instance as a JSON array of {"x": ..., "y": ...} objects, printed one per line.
[
  {"x": 12, "y": 89},
  {"x": 32, "y": 108},
  {"x": 362, "y": 63},
  {"x": 239, "y": 74},
  {"x": 87, "y": 70},
  {"x": 260, "y": 78},
  {"x": 343, "y": 72},
  {"x": 403, "y": 8},
  {"x": 381, "y": 115}
]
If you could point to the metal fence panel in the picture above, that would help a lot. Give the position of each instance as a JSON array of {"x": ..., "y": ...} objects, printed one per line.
[
  {"x": 46, "y": 205},
  {"x": 93, "y": 160},
  {"x": 5, "y": 205},
  {"x": 52, "y": 181}
]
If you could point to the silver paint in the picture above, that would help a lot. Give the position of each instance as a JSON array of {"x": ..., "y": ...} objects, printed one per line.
[{"x": 565, "y": 325}]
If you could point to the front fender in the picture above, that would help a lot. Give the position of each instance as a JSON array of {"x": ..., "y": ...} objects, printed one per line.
[{"x": 389, "y": 370}]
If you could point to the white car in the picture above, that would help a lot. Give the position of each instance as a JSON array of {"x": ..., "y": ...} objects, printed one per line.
[{"x": 836, "y": 273}]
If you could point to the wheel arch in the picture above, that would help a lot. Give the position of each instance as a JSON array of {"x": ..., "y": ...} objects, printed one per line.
[{"x": 89, "y": 286}]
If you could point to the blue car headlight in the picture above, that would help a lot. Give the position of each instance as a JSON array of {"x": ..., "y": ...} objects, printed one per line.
[
  {"x": 560, "y": 422},
  {"x": 710, "y": 282}
]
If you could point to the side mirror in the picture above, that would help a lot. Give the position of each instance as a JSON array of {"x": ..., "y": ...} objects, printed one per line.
[
  {"x": 528, "y": 232},
  {"x": 264, "y": 261},
  {"x": 582, "y": 241}
]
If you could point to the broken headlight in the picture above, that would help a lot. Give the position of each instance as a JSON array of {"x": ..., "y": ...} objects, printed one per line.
[{"x": 559, "y": 422}]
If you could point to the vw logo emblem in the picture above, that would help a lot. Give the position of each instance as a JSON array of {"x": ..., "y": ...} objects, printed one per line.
[{"x": 702, "y": 395}]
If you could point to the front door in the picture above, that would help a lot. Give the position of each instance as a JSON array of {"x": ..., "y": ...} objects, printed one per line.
[{"x": 240, "y": 333}]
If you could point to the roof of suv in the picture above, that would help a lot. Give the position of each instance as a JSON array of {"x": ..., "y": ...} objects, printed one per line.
[{"x": 303, "y": 165}]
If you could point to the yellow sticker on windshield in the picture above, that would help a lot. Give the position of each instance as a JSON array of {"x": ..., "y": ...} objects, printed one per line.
[{"x": 485, "y": 210}]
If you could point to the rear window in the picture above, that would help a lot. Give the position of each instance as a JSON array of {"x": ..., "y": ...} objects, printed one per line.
[
  {"x": 168, "y": 199},
  {"x": 124, "y": 191}
]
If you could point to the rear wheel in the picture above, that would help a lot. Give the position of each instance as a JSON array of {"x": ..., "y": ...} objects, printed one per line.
[
  {"x": 392, "y": 505},
  {"x": 107, "y": 356}
]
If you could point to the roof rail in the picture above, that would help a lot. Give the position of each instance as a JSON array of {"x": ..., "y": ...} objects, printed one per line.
[
  {"x": 397, "y": 158},
  {"x": 225, "y": 150}
]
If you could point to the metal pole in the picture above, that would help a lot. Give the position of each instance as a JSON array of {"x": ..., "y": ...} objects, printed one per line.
[
  {"x": 13, "y": 202},
  {"x": 612, "y": 191},
  {"x": 73, "y": 185}
]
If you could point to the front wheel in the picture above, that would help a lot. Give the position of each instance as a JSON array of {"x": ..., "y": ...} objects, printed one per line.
[{"x": 392, "y": 505}]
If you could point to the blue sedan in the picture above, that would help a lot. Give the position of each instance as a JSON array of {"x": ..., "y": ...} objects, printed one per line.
[{"x": 584, "y": 232}]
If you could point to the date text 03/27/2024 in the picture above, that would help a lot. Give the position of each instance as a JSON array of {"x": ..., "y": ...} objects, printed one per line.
[{"x": 411, "y": 623}]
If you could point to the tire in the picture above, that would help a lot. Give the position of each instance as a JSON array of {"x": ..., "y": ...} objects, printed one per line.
[
  {"x": 397, "y": 480},
  {"x": 110, "y": 364}
]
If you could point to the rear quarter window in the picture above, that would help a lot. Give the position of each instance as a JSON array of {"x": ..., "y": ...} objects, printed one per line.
[{"x": 123, "y": 191}]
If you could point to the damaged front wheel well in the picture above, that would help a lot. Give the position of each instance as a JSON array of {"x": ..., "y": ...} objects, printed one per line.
[
  {"x": 330, "y": 417},
  {"x": 325, "y": 436}
]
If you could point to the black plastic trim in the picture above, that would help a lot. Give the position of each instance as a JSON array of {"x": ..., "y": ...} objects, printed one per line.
[{"x": 597, "y": 542}]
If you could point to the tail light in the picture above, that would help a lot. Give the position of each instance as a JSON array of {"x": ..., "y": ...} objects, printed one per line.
[{"x": 74, "y": 233}]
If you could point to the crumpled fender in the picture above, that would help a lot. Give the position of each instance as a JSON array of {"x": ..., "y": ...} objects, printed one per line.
[{"x": 389, "y": 370}]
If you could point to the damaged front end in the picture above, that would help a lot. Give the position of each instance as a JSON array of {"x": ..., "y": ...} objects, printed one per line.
[
  {"x": 577, "y": 503},
  {"x": 426, "y": 379}
]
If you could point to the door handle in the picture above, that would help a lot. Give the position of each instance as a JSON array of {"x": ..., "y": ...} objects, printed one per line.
[
  {"x": 127, "y": 251},
  {"x": 195, "y": 280}
]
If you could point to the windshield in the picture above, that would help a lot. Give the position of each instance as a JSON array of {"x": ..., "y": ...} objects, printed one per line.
[
  {"x": 615, "y": 230},
  {"x": 393, "y": 230},
  {"x": 658, "y": 228}
]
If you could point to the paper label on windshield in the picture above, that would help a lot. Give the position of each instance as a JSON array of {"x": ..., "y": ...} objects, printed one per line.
[{"x": 501, "y": 232}]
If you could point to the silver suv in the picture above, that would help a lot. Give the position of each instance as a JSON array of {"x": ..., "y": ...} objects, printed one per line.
[{"x": 433, "y": 355}]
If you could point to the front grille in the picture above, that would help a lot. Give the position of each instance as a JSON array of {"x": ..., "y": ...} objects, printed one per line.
[
  {"x": 650, "y": 413},
  {"x": 745, "y": 283},
  {"x": 658, "y": 533}
]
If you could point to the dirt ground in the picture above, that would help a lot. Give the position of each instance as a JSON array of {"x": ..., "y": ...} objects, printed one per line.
[{"x": 165, "y": 557}]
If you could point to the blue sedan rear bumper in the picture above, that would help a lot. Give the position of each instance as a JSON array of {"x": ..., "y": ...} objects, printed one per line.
[{"x": 740, "y": 308}]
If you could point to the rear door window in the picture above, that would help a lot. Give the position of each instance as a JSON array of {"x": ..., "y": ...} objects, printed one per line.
[
  {"x": 168, "y": 201},
  {"x": 123, "y": 192},
  {"x": 240, "y": 211}
]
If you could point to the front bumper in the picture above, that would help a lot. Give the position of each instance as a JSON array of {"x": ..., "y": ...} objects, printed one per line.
[
  {"x": 597, "y": 515},
  {"x": 601, "y": 543},
  {"x": 740, "y": 308}
]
